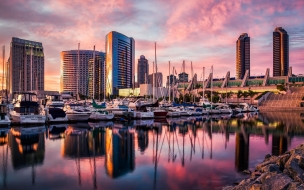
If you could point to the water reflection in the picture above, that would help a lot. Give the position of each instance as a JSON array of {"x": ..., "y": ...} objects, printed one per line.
[
  {"x": 120, "y": 154},
  {"x": 176, "y": 153},
  {"x": 27, "y": 148}
]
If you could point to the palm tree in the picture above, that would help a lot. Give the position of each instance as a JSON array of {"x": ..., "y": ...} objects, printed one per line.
[
  {"x": 245, "y": 94},
  {"x": 251, "y": 94},
  {"x": 238, "y": 95}
]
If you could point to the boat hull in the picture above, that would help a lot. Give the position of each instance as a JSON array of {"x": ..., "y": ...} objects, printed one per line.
[
  {"x": 97, "y": 116},
  {"x": 160, "y": 114},
  {"x": 28, "y": 119},
  {"x": 78, "y": 116}
]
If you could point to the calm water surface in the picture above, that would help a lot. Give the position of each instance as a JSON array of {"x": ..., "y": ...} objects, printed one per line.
[{"x": 183, "y": 153}]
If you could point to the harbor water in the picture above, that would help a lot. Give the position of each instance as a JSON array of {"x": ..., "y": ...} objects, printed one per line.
[{"x": 176, "y": 153}]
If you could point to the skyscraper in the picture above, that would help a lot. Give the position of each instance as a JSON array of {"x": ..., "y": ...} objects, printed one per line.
[
  {"x": 280, "y": 52},
  {"x": 142, "y": 70},
  {"x": 183, "y": 77},
  {"x": 70, "y": 72},
  {"x": 120, "y": 62},
  {"x": 158, "y": 79},
  {"x": 26, "y": 66},
  {"x": 242, "y": 55}
]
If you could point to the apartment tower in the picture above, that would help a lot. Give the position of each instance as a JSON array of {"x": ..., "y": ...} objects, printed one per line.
[
  {"x": 82, "y": 71},
  {"x": 280, "y": 52},
  {"x": 142, "y": 70},
  {"x": 120, "y": 62},
  {"x": 26, "y": 66},
  {"x": 242, "y": 55}
]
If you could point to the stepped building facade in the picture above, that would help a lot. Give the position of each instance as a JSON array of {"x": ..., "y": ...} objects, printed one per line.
[{"x": 26, "y": 66}]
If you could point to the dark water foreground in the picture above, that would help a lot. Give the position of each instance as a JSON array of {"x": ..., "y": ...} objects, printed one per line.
[{"x": 183, "y": 153}]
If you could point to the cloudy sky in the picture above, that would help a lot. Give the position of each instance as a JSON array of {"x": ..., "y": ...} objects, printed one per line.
[{"x": 201, "y": 31}]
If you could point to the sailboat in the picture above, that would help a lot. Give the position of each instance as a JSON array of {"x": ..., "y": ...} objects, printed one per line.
[{"x": 158, "y": 113}]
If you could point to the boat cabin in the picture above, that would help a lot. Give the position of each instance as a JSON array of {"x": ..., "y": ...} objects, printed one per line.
[
  {"x": 2, "y": 111},
  {"x": 27, "y": 103}
]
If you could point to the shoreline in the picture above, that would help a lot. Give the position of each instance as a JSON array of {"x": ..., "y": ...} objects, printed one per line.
[{"x": 276, "y": 172}]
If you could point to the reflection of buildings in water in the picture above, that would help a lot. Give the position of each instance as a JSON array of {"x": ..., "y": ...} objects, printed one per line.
[
  {"x": 27, "y": 149},
  {"x": 4, "y": 136},
  {"x": 142, "y": 139},
  {"x": 81, "y": 143},
  {"x": 241, "y": 151},
  {"x": 279, "y": 144},
  {"x": 120, "y": 154}
]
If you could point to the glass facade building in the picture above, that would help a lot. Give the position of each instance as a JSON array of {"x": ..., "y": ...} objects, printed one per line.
[
  {"x": 120, "y": 62},
  {"x": 70, "y": 72},
  {"x": 142, "y": 70},
  {"x": 280, "y": 52},
  {"x": 242, "y": 55},
  {"x": 26, "y": 66}
]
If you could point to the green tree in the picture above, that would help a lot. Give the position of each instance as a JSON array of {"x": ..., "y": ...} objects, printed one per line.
[
  {"x": 245, "y": 94},
  {"x": 251, "y": 94},
  {"x": 238, "y": 95}
]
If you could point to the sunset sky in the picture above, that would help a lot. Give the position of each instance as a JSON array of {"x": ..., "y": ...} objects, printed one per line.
[{"x": 201, "y": 31}]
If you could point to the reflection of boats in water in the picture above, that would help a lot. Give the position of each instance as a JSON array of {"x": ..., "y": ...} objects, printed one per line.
[
  {"x": 145, "y": 122},
  {"x": 27, "y": 148},
  {"x": 57, "y": 131},
  {"x": 77, "y": 128},
  {"x": 101, "y": 124}
]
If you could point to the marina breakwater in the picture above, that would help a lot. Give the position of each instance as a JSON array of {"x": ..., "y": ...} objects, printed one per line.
[{"x": 276, "y": 172}]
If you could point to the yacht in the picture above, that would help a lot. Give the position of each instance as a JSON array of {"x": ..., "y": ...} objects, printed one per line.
[
  {"x": 27, "y": 110},
  {"x": 76, "y": 112},
  {"x": 99, "y": 112},
  {"x": 4, "y": 119},
  {"x": 54, "y": 108}
]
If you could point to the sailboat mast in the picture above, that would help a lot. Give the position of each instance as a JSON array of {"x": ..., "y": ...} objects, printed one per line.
[
  {"x": 211, "y": 83},
  {"x": 156, "y": 67},
  {"x": 153, "y": 78},
  {"x": 31, "y": 66},
  {"x": 184, "y": 81},
  {"x": 173, "y": 81},
  {"x": 169, "y": 84},
  {"x": 3, "y": 56},
  {"x": 77, "y": 73},
  {"x": 93, "y": 72},
  {"x": 203, "y": 82}
]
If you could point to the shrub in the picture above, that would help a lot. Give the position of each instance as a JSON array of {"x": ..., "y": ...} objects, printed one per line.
[{"x": 259, "y": 96}]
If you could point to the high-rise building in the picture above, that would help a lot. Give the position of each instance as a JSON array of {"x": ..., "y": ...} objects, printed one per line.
[
  {"x": 242, "y": 55},
  {"x": 280, "y": 52},
  {"x": 70, "y": 71},
  {"x": 158, "y": 79},
  {"x": 142, "y": 70},
  {"x": 183, "y": 77},
  {"x": 172, "y": 80},
  {"x": 97, "y": 76},
  {"x": 120, "y": 62},
  {"x": 26, "y": 66}
]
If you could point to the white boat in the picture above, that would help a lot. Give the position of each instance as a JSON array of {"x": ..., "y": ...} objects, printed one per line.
[
  {"x": 54, "y": 109},
  {"x": 224, "y": 109},
  {"x": 4, "y": 119},
  {"x": 27, "y": 110},
  {"x": 144, "y": 115},
  {"x": 173, "y": 113},
  {"x": 75, "y": 112},
  {"x": 101, "y": 115}
]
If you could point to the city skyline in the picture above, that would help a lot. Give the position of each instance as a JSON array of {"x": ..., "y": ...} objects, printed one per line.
[{"x": 201, "y": 32}]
